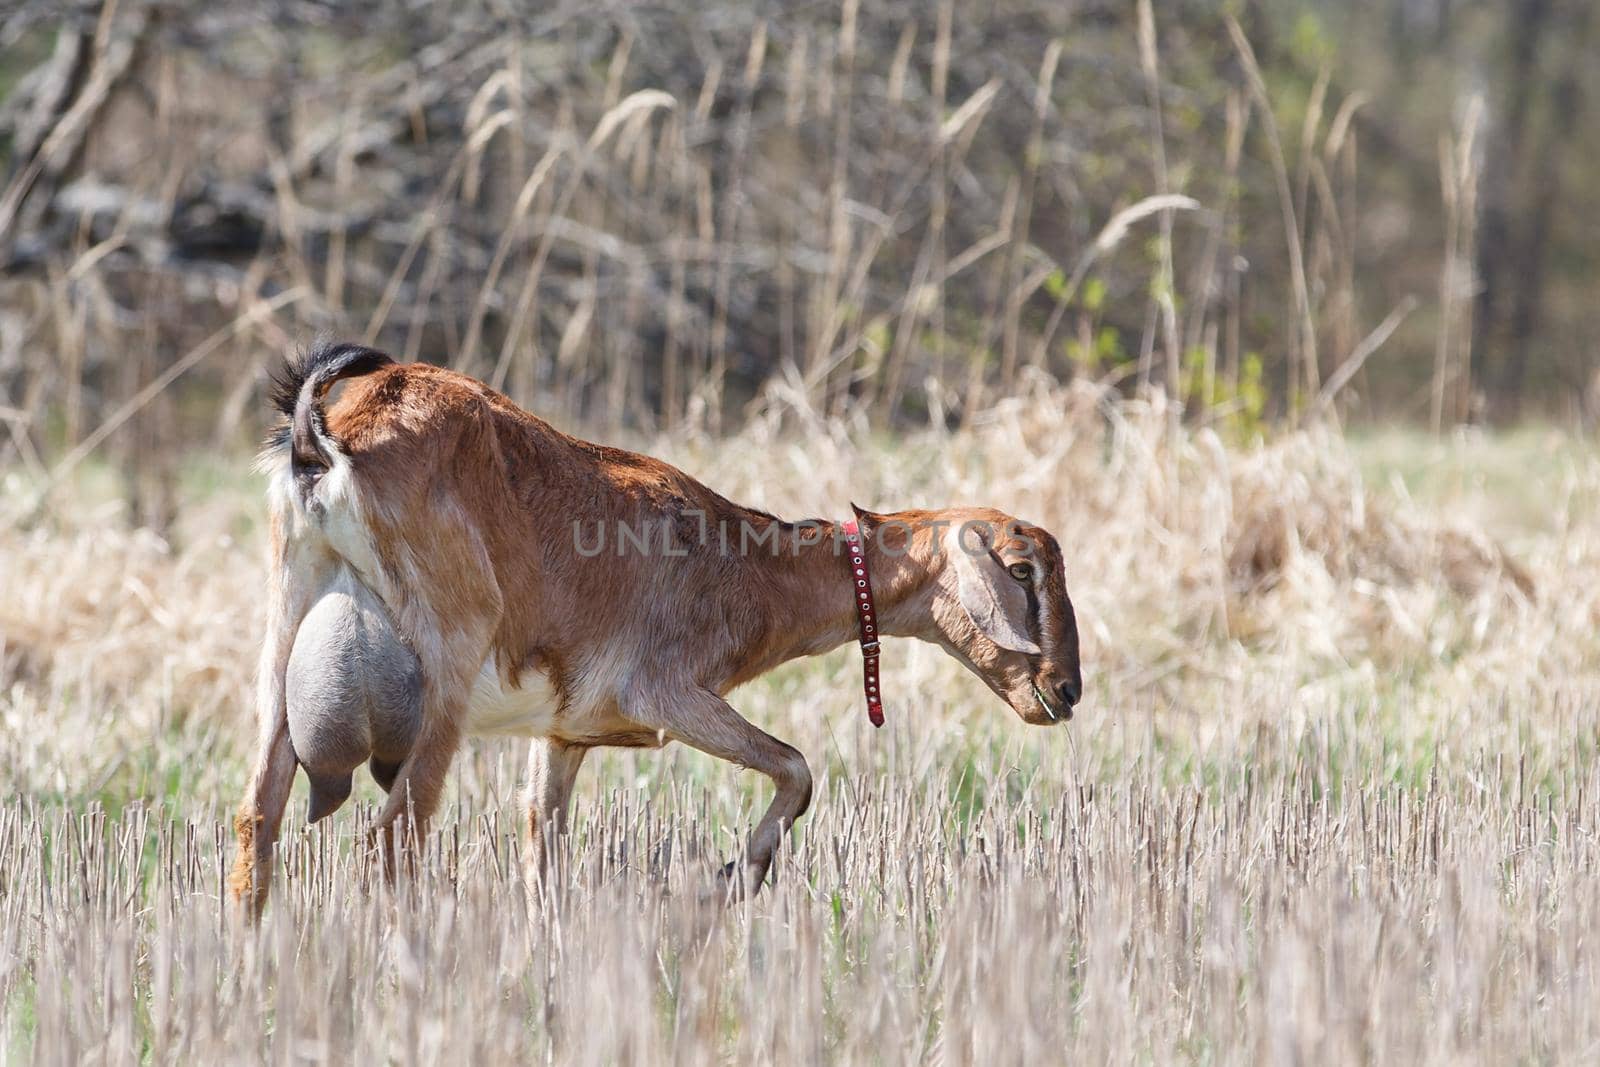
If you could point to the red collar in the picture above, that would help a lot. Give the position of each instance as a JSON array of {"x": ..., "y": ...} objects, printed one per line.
[{"x": 866, "y": 620}]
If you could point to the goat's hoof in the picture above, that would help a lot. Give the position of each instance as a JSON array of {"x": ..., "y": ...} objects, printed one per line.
[
  {"x": 246, "y": 907},
  {"x": 733, "y": 883}
]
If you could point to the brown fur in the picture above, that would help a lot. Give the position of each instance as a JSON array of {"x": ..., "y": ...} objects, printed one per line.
[{"x": 469, "y": 502}]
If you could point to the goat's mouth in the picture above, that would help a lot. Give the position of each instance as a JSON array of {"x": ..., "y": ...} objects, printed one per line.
[{"x": 1057, "y": 713}]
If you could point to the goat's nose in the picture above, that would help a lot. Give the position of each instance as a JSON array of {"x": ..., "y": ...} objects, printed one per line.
[{"x": 1071, "y": 692}]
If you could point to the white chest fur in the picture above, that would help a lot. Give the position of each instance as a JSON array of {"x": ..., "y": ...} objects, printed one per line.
[{"x": 525, "y": 710}]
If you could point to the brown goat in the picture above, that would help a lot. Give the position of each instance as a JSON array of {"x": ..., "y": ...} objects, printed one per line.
[{"x": 435, "y": 573}]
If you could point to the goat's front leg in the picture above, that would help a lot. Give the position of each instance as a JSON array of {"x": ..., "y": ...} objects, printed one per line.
[
  {"x": 703, "y": 720},
  {"x": 552, "y": 768}
]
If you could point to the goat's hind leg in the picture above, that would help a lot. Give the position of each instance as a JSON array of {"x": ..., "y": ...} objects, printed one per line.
[
  {"x": 259, "y": 819},
  {"x": 447, "y": 672},
  {"x": 418, "y": 786},
  {"x": 450, "y": 647},
  {"x": 260, "y": 816}
]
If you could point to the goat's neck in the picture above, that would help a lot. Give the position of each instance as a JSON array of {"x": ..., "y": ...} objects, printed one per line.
[{"x": 817, "y": 609}]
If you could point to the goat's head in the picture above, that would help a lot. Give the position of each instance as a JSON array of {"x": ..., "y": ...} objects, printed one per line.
[{"x": 998, "y": 602}]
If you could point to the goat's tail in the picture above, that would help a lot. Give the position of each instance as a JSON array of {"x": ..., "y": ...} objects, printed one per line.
[{"x": 297, "y": 392}]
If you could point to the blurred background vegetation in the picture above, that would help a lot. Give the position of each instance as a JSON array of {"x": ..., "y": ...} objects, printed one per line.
[{"x": 661, "y": 216}]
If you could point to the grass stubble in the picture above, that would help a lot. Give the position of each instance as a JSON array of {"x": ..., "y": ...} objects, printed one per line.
[{"x": 1331, "y": 795}]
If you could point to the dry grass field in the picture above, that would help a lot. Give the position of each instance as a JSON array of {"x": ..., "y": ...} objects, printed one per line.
[
  {"x": 1332, "y": 795},
  {"x": 1333, "y": 792}
]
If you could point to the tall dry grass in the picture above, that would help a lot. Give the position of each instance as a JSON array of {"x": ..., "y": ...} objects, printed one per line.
[
  {"x": 1331, "y": 793},
  {"x": 643, "y": 217}
]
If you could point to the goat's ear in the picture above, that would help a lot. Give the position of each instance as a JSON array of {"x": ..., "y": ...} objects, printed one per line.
[{"x": 992, "y": 599}]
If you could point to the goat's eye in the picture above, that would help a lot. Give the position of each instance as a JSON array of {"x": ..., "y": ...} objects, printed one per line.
[{"x": 1020, "y": 571}]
